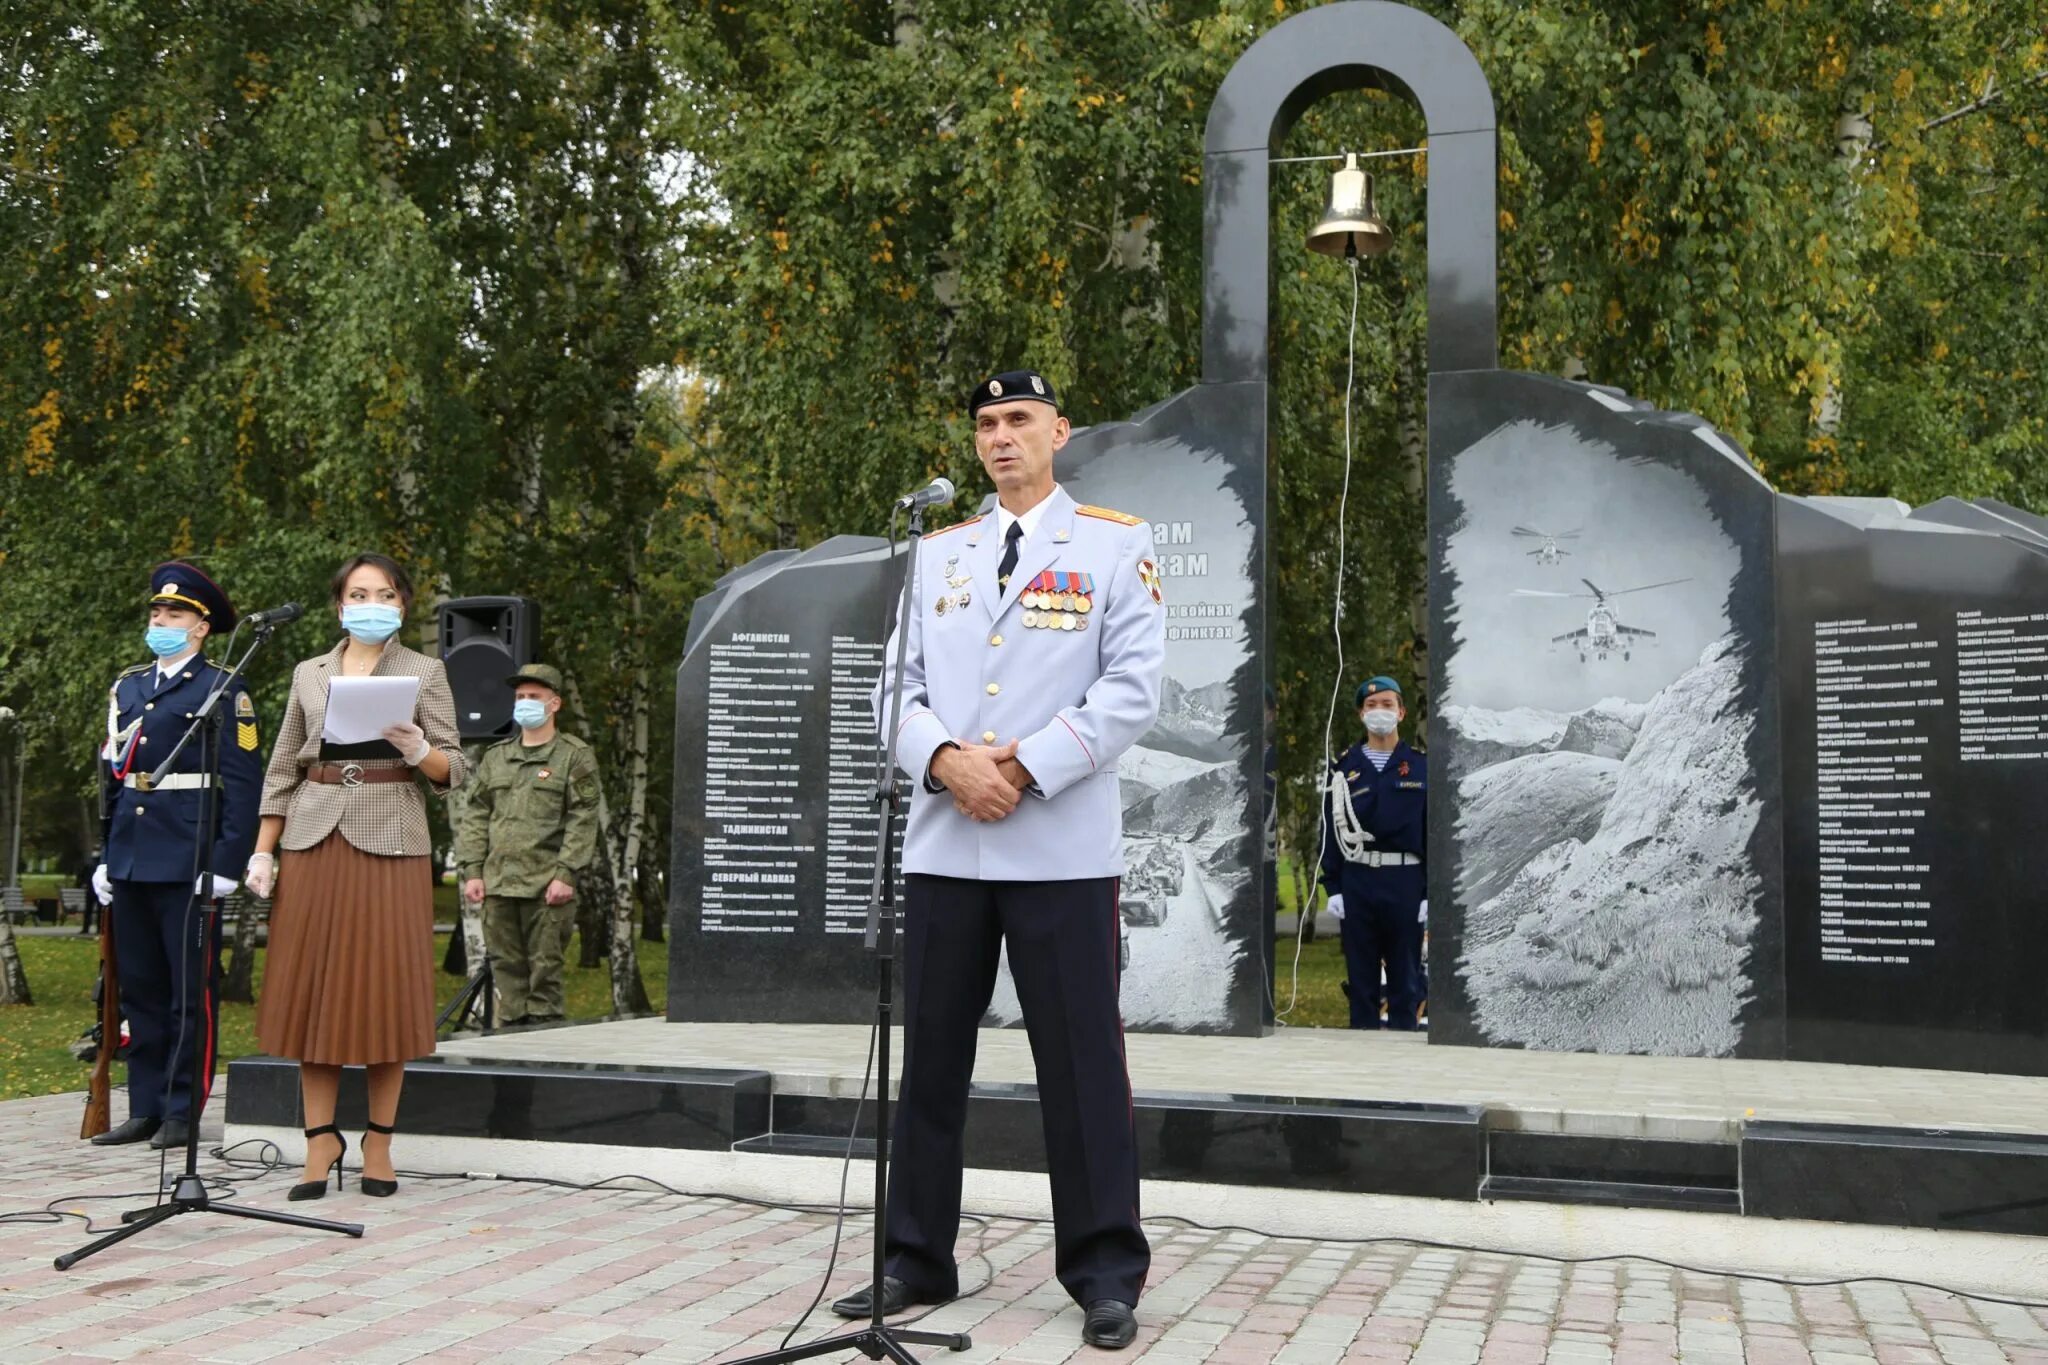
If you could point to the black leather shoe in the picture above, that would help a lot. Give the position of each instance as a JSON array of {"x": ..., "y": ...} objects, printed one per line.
[
  {"x": 134, "y": 1130},
  {"x": 896, "y": 1296},
  {"x": 172, "y": 1134},
  {"x": 1109, "y": 1324}
]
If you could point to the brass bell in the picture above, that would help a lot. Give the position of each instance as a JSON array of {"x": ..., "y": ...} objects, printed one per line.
[{"x": 1351, "y": 224}]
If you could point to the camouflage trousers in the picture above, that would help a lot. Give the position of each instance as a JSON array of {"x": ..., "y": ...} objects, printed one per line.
[{"x": 526, "y": 938}]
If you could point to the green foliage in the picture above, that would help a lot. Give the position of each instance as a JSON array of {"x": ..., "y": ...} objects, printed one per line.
[{"x": 595, "y": 300}]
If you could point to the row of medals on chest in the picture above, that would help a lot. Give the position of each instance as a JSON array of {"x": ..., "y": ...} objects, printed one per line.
[{"x": 1043, "y": 610}]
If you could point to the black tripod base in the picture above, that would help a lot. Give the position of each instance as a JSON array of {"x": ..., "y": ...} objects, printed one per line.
[
  {"x": 876, "y": 1343},
  {"x": 477, "y": 995},
  {"x": 189, "y": 1196}
]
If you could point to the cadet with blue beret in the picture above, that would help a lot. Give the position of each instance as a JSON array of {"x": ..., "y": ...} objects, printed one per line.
[
  {"x": 1034, "y": 657},
  {"x": 1373, "y": 849},
  {"x": 169, "y": 967}
]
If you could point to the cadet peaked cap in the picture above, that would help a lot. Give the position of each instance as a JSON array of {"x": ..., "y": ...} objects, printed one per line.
[
  {"x": 178, "y": 584},
  {"x": 547, "y": 675},
  {"x": 1373, "y": 687},
  {"x": 1010, "y": 386}
]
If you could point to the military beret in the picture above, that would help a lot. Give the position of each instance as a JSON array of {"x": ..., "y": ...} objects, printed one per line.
[
  {"x": 1009, "y": 386},
  {"x": 178, "y": 584},
  {"x": 1374, "y": 686},
  {"x": 547, "y": 675}
]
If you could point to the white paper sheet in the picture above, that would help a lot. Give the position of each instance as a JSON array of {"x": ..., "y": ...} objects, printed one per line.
[{"x": 358, "y": 709}]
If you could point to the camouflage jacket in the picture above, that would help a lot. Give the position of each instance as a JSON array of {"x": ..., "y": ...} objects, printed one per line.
[{"x": 530, "y": 817}]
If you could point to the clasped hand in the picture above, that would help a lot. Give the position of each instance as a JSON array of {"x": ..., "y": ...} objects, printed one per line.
[{"x": 984, "y": 780}]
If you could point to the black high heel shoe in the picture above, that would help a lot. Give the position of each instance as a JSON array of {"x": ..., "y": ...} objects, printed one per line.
[
  {"x": 370, "y": 1184},
  {"x": 314, "y": 1189}
]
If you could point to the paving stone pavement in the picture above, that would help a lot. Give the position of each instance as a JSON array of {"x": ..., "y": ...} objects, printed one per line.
[{"x": 520, "y": 1274}]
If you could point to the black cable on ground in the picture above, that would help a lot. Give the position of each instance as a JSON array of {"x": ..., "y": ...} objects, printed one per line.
[
  {"x": 867, "y": 1076},
  {"x": 48, "y": 1215}
]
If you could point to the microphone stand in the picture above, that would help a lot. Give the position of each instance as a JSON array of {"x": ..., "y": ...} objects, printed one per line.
[
  {"x": 189, "y": 1193},
  {"x": 878, "y": 1340}
]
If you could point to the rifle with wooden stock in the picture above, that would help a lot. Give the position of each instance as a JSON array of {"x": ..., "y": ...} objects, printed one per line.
[
  {"x": 98, "y": 1092},
  {"x": 98, "y": 1117}
]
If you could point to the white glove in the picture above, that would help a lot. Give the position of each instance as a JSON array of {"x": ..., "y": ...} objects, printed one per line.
[
  {"x": 103, "y": 885},
  {"x": 410, "y": 741},
  {"x": 1336, "y": 908},
  {"x": 261, "y": 874},
  {"x": 222, "y": 887},
  {"x": 1423, "y": 917}
]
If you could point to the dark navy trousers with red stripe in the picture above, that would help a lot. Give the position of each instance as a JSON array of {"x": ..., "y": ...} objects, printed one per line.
[
  {"x": 1062, "y": 940},
  {"x": 168, "y": 961}
]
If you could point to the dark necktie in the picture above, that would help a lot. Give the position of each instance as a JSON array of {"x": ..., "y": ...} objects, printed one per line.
[{"x": 1016, "y": 533}]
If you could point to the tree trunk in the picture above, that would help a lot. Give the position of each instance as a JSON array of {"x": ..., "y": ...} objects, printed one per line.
[
  {"x": 13, "y": 976},
  {"x": 629, "y": 993},
  {"x": 239, "y": 985},
  {"x": 594, "y": 887},
  {"x": 466, "y": 953},
  {"x": 652, "y": 888},
  {"x": 1853, "y": 135}
]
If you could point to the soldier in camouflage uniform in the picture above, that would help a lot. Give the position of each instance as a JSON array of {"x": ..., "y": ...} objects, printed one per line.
[{"x": 529, "y": 827}]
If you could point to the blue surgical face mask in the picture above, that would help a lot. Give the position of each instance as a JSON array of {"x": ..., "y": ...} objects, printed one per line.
[
  {"x": 167, "y": 642},
  {"x": 530, "y": 712},
  {"x": 371, "y": 622}
]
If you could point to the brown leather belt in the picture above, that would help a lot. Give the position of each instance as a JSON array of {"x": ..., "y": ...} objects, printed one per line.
[{"x": 355, "y": 774}]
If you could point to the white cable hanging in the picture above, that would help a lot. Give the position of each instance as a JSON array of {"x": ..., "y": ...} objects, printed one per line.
[{"x": 1352, "y": 840}]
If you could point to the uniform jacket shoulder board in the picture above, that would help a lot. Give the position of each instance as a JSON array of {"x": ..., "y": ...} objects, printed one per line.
[
  {"x": 132, "y": 671},
  {"x": 929, "y": 535},
  {"x": 1109, "y": 514}
]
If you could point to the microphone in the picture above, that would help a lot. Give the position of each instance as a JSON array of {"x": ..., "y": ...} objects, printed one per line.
[
  {"x": 276, "y": 616},
  {"x": 937, "y": 493}
]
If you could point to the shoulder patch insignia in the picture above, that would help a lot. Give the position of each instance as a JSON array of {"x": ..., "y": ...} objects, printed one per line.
[
  {"x": 245, "y": 735},
  {"x": 933, "y": 535},
  {"x": 131, "y": 672},
  {"x": 1148, "y": 574},
  {"x": 245, "y": 706},
  {"x": 1108, "y": 514}
]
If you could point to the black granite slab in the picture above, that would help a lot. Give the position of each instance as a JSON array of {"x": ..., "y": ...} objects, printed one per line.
[
  {"x": 697, "y": 1109},
  {"x": 1610, "y": 1194},
  {"x": 1589, "y": 893},
  {"x": 1897, "y": 1177},
  {"x": 774, "y": 823},
  {"x": 1634, "y": 1160},
  {"x": 1619, "y": 1172},
  {"x": 1914, "y": 923},
  {"x": 1357, "y": 1146}
]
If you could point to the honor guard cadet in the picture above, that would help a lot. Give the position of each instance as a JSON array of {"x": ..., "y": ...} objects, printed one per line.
[
  {"x": 1034, "y": 654},
  {"x": 168, "y": 964},
  {"x": 530, "y": 826},
  {"x": 1373, "y": 868}
]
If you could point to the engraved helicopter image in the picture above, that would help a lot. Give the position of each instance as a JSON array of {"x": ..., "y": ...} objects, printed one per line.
[
  {"x": 1549, "y": 552},
  {"x": 1603, "y": 633}
]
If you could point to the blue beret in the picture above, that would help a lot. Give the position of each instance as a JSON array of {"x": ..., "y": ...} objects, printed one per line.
[
  {"x": 181, "y": 585},
  {"x": 1371, "y": 686},
  {"x": 1008, "y": 387}
]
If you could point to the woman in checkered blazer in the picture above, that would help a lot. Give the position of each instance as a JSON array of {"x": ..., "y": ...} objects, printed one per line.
[{"x": 349, "y": 979}]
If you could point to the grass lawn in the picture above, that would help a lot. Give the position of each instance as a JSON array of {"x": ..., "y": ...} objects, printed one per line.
[{"x": 35, "y": 1039}]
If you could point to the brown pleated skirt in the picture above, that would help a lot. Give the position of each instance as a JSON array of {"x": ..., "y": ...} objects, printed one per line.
[{"x": 349, "y": 976}]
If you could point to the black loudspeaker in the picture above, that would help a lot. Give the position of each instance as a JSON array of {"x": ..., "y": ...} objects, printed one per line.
[{"x": 484, "y": 640}]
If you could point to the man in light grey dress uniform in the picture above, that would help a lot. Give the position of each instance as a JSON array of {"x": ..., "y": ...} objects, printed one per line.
[{"x": 1036, "y": 641}]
